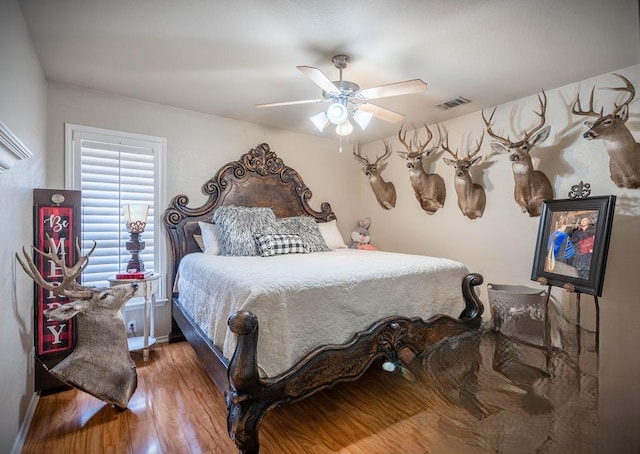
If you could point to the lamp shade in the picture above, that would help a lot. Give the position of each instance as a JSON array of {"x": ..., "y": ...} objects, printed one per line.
[
  {"x": 337, "y": 113},
  {"x": 362, "y": 118},
  {"x": 319, "y": 121},
  {"x": 344, "y": 129},
  {"x": 135, "y": 217}
]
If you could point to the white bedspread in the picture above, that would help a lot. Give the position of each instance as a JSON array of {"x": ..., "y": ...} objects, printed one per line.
[{"x": 303, "y": 301}]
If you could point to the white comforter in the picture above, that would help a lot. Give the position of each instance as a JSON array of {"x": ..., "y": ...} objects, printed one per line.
[{"x": 303, "y": 301}]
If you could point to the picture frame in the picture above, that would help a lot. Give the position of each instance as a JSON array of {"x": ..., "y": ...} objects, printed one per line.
[{"x": 573, "y": 243}]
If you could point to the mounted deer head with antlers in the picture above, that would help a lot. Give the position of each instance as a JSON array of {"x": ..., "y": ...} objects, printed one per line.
[
  {"x": 384, "y": 191},
  {"x": 429, "y": 188},
  {"x": 532, "y": 186},
  {"x": 624, "y": 151},
  {"x": 101, "y": 364},
  {"x": 471, "y": 196}
]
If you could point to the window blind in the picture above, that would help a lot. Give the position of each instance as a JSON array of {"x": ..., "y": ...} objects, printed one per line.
[{"x": 111, "y": 171}]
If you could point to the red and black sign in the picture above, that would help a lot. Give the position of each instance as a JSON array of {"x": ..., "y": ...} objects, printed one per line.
[
  {"x": 57, "y": 223},
  {"x": 56, "y": 214}
]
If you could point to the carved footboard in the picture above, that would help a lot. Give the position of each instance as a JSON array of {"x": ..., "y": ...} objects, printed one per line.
[{"x": 249, "y": 397}]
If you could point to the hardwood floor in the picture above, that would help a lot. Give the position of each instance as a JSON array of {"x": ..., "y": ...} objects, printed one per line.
[{"x": 477, "y": 394}]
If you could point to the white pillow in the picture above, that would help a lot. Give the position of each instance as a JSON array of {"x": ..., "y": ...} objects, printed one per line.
[
  {"x": 331, "y": 235},
  {"x": 210, "y": 238},
  {"x": 199, "y": 242}
]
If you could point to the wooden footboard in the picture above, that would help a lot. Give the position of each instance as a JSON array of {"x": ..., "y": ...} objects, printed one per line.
[{"x": 249, "y": 397}]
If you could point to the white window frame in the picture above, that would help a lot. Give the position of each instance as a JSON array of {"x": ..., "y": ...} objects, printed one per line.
[{"x": 73, "y": 182}]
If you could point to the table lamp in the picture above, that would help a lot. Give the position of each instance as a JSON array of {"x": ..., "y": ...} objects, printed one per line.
[{"x": 136, "y": 220}]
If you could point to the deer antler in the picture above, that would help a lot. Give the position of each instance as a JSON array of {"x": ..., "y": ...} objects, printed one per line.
[
  {"x": 387, "y": 153},
  {"x": 628, "y": 88},
  {"x": 577, "y": 107},
  {"x": 445, "y": 146},
  {"x": 69, "y": 287},
  {"x": 541, "y": 114},
  {"x": 363, "y": 160},
  {"x": 527, "y": 135},
  {"x": 421, "y": 146},
  {"x": 479, "y": 144},
  {"x": 507, "y": 142}
]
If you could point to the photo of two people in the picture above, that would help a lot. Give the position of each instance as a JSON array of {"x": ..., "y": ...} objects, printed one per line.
[
  {"x": 573, "y": 242},
  {"x": 570, "y": 246}
]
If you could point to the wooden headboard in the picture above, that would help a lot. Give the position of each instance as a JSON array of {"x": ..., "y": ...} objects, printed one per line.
[{"x": 258, "y": 179}]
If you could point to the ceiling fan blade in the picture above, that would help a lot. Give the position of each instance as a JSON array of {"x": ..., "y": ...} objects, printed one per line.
[
  {"x": 319, "y": 79},
  {"x": 290, "y": 103},
  {"x": 382, "y": 113},
  {"x": 397, "y": 89}
]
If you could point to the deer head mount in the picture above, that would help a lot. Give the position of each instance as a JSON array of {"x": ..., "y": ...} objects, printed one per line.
[
  {"x": 384, "y": 191},
  {"x": 429, "y": 188},
  {"x": 532, "y": 186},
  {"x": 471, "y": 196},
  {"x": 623, "y": 150},
  {"x": 101, "y": 364}
]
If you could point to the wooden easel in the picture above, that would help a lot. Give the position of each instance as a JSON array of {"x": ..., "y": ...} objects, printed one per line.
[
  {"x": 571, "y": 289},
  {"x": 597, "y": 329}
]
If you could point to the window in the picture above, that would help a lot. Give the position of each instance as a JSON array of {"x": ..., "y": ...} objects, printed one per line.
[{"x": 113, "y": 168}]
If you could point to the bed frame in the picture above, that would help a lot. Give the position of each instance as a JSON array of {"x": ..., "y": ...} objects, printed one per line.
[{"x": 261, "y": 179}]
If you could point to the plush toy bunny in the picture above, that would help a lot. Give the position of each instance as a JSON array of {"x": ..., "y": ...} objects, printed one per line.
[{"x": 360, "y": 236}]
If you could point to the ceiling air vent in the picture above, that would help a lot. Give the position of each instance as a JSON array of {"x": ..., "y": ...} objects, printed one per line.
[{"x": 455, "y": 102}]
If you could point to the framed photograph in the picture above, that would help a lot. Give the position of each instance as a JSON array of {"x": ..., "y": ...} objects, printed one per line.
[{"x": 573, "y": 242}]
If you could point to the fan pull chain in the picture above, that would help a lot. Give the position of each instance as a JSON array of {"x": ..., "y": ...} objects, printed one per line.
[{"x": 340, "y": 149}]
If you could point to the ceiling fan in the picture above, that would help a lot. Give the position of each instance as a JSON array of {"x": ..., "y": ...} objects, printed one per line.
[{"x": 346, "y": 98}]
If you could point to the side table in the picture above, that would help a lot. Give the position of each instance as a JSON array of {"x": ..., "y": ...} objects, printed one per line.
[{"x": 148, "y": 288}]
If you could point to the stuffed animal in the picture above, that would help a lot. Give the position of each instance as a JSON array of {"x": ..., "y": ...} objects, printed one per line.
[{"x": 360, "y": 236}]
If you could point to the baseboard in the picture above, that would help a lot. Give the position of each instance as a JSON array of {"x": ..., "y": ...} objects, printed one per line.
[{"x": 24, "y": 428}]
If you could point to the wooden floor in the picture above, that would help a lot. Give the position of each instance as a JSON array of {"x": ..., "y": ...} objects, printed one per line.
[{"x": 485, "y": 394}]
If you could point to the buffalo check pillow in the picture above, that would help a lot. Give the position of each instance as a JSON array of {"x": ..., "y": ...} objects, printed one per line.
[{"x": 279, "y": 244}]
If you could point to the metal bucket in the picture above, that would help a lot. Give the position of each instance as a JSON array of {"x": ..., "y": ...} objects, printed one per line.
[{"x": 519, "y": 311}]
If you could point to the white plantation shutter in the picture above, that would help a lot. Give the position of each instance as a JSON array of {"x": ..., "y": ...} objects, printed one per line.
[{"x": 112, "y": 169}]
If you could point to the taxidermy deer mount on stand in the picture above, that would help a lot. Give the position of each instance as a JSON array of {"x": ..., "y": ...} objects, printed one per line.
[
  {"x": 532, "y": 186},
  {"x": 471, "y": 196},
  {"x": 384, "y": 191},
  {"x": 101, "y": 364},
  {"x": 623, "y": 150},
  {"x": 429, "y": 188}
]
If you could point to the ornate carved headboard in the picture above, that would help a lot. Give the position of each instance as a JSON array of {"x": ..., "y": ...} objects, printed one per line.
[{"x": 258, "y": 179}]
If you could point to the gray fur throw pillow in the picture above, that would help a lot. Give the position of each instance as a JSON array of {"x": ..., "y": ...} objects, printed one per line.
[
  {"x": 306, "y": 227},
  {"x": 237, "y": 225}
]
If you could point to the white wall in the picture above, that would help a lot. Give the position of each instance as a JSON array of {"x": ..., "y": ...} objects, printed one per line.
[
  {"x": 199, "y": 144},
  {"x": 22, "y": 110},
  {"x": 501, "y": 244}
]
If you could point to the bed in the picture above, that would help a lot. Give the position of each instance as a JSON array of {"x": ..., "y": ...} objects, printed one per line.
[{"x": 313, "y": 333}]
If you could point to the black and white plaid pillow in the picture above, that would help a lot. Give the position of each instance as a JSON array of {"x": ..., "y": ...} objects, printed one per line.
[{"x": 279, "y": 243}]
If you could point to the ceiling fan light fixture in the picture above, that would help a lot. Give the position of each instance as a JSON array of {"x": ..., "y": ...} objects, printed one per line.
[
  {"x": 320, "y": 121},
  {"x": 337, "y": 113},
  {"x": 344, "y": 129},
  {"x": 362, "y": 118}
]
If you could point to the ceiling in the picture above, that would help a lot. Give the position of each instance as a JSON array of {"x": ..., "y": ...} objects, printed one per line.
[{"x": 221, "y": 57}]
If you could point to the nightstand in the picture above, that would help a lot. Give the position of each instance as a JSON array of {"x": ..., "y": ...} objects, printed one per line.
[{"x": 148, "y": 288}]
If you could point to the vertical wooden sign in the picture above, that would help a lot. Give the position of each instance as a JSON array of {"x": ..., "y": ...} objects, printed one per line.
[
  {"x": 55, "y": 222},
  {"x": 55, "y": 216}
]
